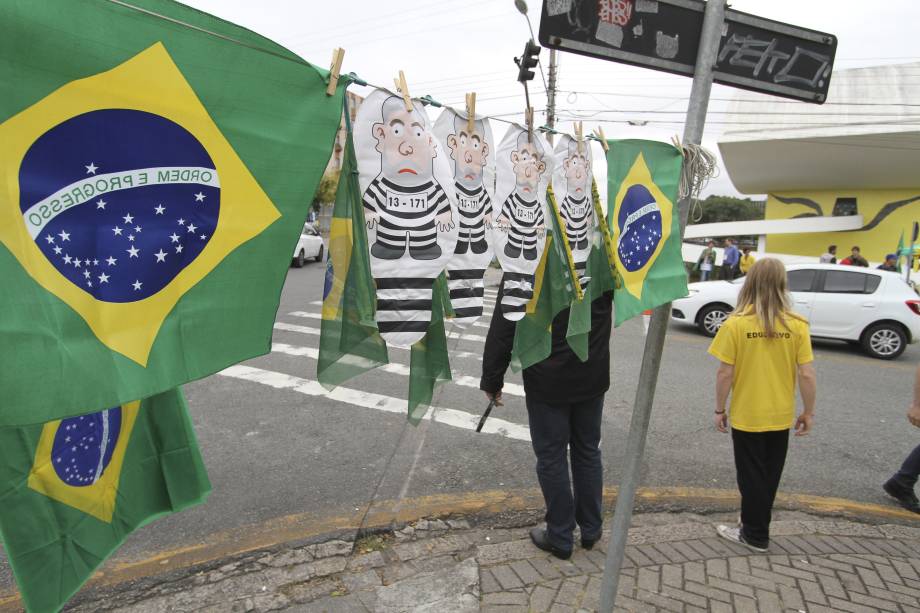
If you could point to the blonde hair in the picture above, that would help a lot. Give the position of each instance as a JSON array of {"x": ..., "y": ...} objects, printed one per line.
[{"x": 765, "y": 294}]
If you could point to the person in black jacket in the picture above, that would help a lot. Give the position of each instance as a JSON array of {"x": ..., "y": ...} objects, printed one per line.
[{"x": 565, "y": 401}]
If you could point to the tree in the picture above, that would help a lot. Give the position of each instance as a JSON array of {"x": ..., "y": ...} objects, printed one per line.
[
  {"x": 726, "y": 208},
  {"x": 325, "y": 193}
]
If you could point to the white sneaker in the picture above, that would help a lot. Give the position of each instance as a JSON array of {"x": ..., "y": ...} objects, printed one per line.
[{"x": 733, "y": 534}]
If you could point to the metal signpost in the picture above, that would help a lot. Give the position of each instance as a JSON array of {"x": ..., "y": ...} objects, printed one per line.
[{"x": 713, "y": 44}]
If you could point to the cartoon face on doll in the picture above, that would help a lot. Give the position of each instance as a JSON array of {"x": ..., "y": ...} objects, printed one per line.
[
  {"x": 406, "y": 148},
  {"x": 527, "y": 160},
  {"x": 469, "y": 150},
  {"x": 577, "y": 174}
]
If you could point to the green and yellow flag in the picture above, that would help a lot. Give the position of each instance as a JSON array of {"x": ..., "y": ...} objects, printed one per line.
[
  {"x": 350, "y": 342},
  {"x": 72, "y": 490},
  {"x": 156, "y": 169},
  {"x": 642, "y": 179}
]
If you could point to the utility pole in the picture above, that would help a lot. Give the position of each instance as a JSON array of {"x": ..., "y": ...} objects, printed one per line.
[{"x": 551, "y": 94}]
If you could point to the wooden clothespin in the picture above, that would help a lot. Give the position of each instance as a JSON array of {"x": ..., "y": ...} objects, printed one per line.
[
  {"x": 335, "y": 69},
  {"x": 528, "y": 119},
  {"x": 470, "y": 111},
  {"x": 403, "y": 89},
  {"x": 579, "y": 136},
  {"x": 675, "y": 140},
  {"x": 599, "y": 133}
]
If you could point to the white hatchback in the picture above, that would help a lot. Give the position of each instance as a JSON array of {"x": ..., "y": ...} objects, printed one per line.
[
  {"x": 873, "y": 308},
  {"x": 309, "y": 245}
]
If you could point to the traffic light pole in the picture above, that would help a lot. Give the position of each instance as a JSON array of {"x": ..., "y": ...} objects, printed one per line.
[
  {"x": 551, "y": 94},
  {"x": 654, "y": 343}
]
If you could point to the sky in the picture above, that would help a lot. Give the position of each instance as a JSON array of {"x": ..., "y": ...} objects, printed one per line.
[{"x": 449, "y": 47}]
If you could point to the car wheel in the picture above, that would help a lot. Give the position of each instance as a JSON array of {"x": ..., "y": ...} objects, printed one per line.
[
  {"x": 300, "y": 260},
  {"x": 884, "y": 341},
  {"x": 711, "y": 318},
  {"x": 319, "y": 256}
]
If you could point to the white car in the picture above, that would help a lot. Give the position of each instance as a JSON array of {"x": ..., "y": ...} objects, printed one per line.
[
  {"x": 865, "y": 306},
  {"x": 309, "y": 246}
]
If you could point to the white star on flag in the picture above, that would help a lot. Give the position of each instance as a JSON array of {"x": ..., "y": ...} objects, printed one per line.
[
  {"x": 137, "y": 285},
  {"x": 95, "y": 262},
  {"x": 57, "y": 250},
  {"x": 137, "y": 229},
  {"x": 204, "y": 236},
  {"x": 128, "y": 218},
  {"x": 199, "y": 197},
  {"x": 86, "y": 274},
  {"x": 64, "y": 236},
  {"x": 103, "y": 278},
  {"x": 161, "y": 255},
  {"x": 50, "y": 239},
  {"x": 67, "y": 259},
  {"x": 91, "y": 169},
  {"x": 174, "y": 237},
  {"x": 111, "y": 261},
  {"x": 133, "y": 251},
  {"x": 178, "y": 248},
  {"x": 192, "y": 228},
  {"x": 131, "y": 237},
  {"x": 117, "y": 231},
  {"x": 100, "y": 204},
  {"x": 181, "y": 222},
  {"x": 159, "y": 209},
  {"x": 76, "y": 263}
]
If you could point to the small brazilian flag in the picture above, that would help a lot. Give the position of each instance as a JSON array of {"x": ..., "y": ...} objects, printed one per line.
[
  {"x": 642, "y": 185},
  {"x": 155, "y": 172},
  {"x": 350, "y": 342},
  {"x": 72, "y": 490}
]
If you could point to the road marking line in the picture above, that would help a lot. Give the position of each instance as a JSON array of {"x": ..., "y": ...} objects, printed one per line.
[
  {"x": 378, "y": 402},
  {"x": 454, "y": 335},
  {"x": 393, "y": 368},
  {"x": 280, "y": 325}
]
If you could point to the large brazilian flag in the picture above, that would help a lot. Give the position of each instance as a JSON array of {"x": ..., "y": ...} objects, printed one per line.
[
  {"x": 642, "y": 187},
  {"x": 156, "y": 168}
]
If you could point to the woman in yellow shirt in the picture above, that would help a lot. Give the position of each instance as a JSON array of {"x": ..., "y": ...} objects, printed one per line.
[
  {"x": 746, "y": 261},
  {"x": 763, "y": 347}
]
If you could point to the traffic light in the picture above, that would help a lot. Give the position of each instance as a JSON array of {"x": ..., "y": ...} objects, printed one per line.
[{"x": 528, "y": 60}]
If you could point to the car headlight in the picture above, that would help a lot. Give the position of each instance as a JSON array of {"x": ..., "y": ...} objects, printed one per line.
[{"x": 693, "y": 292}]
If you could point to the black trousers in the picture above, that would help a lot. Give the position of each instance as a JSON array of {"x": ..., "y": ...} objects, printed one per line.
[
  {"x": 759, "y": 461},
  {"x": 910, "y": 470},
  {"x": 553, "y": 429}
]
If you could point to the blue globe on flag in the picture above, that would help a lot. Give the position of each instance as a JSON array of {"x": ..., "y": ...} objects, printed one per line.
[
  {"x": 639, "y": 221},
  {"x": 119, "y": 201},
  {"x": 83, "y": 446}
]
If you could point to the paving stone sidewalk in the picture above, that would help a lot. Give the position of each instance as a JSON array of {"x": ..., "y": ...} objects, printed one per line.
[{"x": 675, "y": 562}]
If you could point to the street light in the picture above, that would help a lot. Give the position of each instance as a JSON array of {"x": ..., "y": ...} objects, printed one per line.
[{"x": 521, "y": 6}]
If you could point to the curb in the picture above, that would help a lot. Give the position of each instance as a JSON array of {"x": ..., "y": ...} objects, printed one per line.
[{"x": 299, "y": 529}]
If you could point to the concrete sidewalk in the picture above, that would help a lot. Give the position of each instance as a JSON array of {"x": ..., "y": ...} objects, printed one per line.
[{"x": 675, "y": 563}]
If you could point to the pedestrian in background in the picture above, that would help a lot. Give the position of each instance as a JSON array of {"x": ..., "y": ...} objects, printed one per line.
[
  {"x": 901, "y": 485},
  {"x": 729, "y": 260},
  {"x": 747, "y": 260},
  {"x": 890, "y": 264},
  {"x": 565, "y": 402},
  {"x": 706, "y": 261},
  {"x": 856, "y": 259},
  {"x": 830, "y": 257},
  {"x": 763, "y": 347}
]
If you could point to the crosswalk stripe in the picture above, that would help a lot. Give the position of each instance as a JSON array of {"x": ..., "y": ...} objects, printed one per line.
[
  {"x": 394, "y": 368},
  {"x": 281, "y": 325},
  {"x": 378, "y": 402},
  {"x": 454, "y": 335}
]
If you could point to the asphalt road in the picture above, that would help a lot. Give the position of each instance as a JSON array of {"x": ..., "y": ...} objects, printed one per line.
[{"x": 275, "y": 446}]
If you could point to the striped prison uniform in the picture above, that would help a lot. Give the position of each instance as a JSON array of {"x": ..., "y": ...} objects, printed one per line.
[
  {"x": 466, "y": 294},
  {"x": 472, "y": 206},
  {"x": 525, "y": 216},
  {"x": 406, "y": 210},
  {"x": 403, "y": 308},
  {"x": 577, "y": 216},
  {"x": 518, "y": 290}
]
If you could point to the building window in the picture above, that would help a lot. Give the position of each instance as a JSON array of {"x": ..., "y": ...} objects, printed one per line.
[{"x": 844, "y": 207}]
